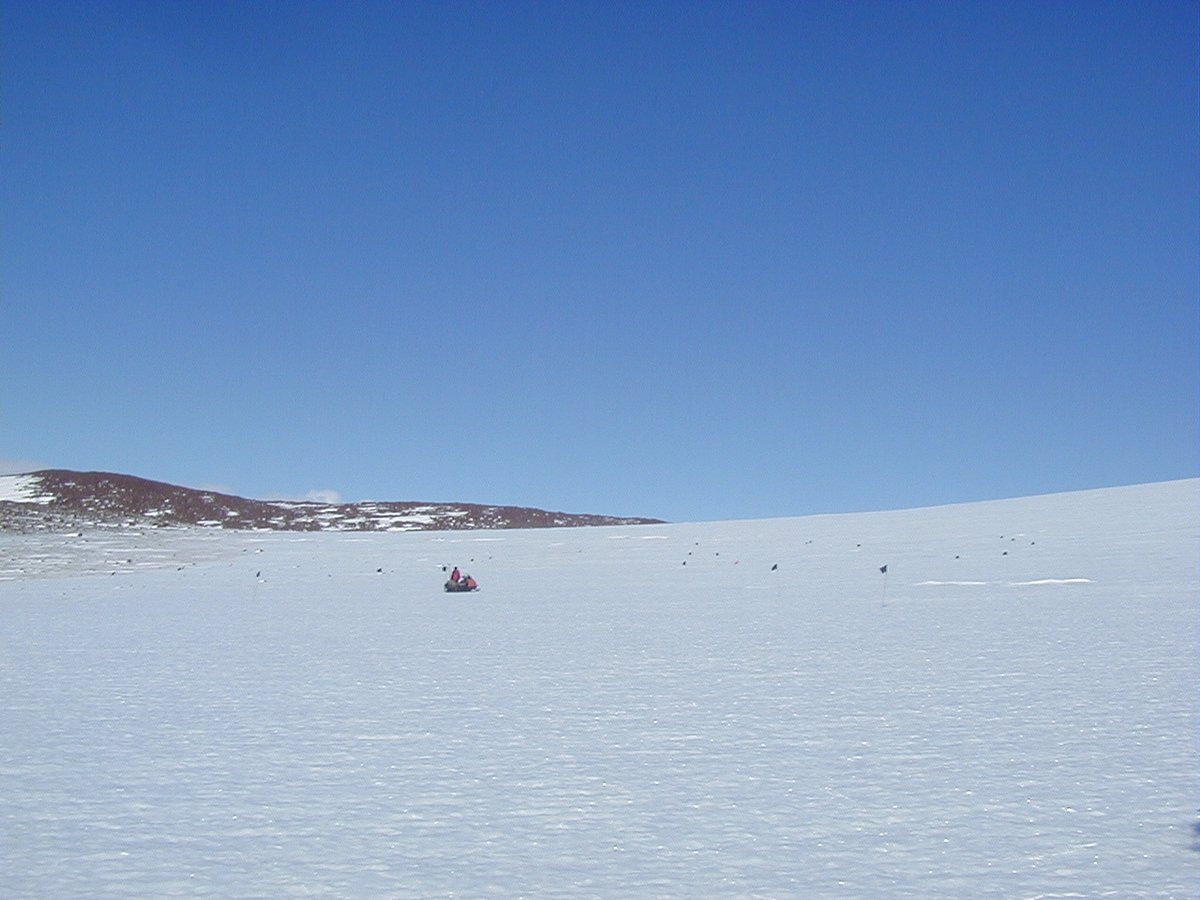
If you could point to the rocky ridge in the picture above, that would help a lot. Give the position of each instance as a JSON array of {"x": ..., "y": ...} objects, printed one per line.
[{"x": 60, "y": 500}]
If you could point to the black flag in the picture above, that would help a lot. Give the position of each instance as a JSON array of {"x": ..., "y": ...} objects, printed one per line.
[
  {"x": 883, "y": 569},
  {"x": 774, "y": 567}
]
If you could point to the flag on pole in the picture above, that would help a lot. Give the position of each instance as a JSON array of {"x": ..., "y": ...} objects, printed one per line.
[{"x": 883, "y": 569}]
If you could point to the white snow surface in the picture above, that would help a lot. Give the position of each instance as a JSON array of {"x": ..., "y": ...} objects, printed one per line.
[
  {"x": 1011, "y": 711},
  {"x": 21, "y": 489}
]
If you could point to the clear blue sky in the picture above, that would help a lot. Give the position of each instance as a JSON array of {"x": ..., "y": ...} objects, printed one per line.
[{"x": 687, "y": 260}]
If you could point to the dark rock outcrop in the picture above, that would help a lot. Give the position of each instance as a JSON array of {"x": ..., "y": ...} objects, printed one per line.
[{"x": 63, "y": 500}]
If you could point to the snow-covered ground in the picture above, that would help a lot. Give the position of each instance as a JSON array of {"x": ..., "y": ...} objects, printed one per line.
[
  {"x": 21, "y": 489},
  {"x": 721, "y": 709}
]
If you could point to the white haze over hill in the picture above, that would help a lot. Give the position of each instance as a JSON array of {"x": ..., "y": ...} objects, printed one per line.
[{"x": 720, "y": 709}]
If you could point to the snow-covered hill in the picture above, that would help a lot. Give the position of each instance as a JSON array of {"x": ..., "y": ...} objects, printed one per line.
[
  {"x": 727, "y": 709},
  {"x": 61, "y": 500}
]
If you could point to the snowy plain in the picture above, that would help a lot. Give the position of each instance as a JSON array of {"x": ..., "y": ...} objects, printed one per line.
[{"x": 745, "y": 709}]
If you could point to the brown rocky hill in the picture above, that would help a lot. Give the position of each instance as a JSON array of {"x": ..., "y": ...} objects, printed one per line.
[{"x": 63, "y": 500}]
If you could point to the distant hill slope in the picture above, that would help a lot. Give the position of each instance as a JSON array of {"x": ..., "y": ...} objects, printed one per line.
[{"x": 62, "y": 500}]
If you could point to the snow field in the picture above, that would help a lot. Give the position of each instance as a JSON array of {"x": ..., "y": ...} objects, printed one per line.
[
  {"x": 1010, "y": 712},
  {"x": 21, "y": 489}
]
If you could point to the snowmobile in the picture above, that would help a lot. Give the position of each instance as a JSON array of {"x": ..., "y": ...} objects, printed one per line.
[{"x": 463, "y": 586}]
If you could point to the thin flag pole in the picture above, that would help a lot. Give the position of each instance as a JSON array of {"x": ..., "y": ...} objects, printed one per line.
[{"x": 883, "y": 594}]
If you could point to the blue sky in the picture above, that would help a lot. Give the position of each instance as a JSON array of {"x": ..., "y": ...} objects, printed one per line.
[{"x": 686, "y": 260}]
